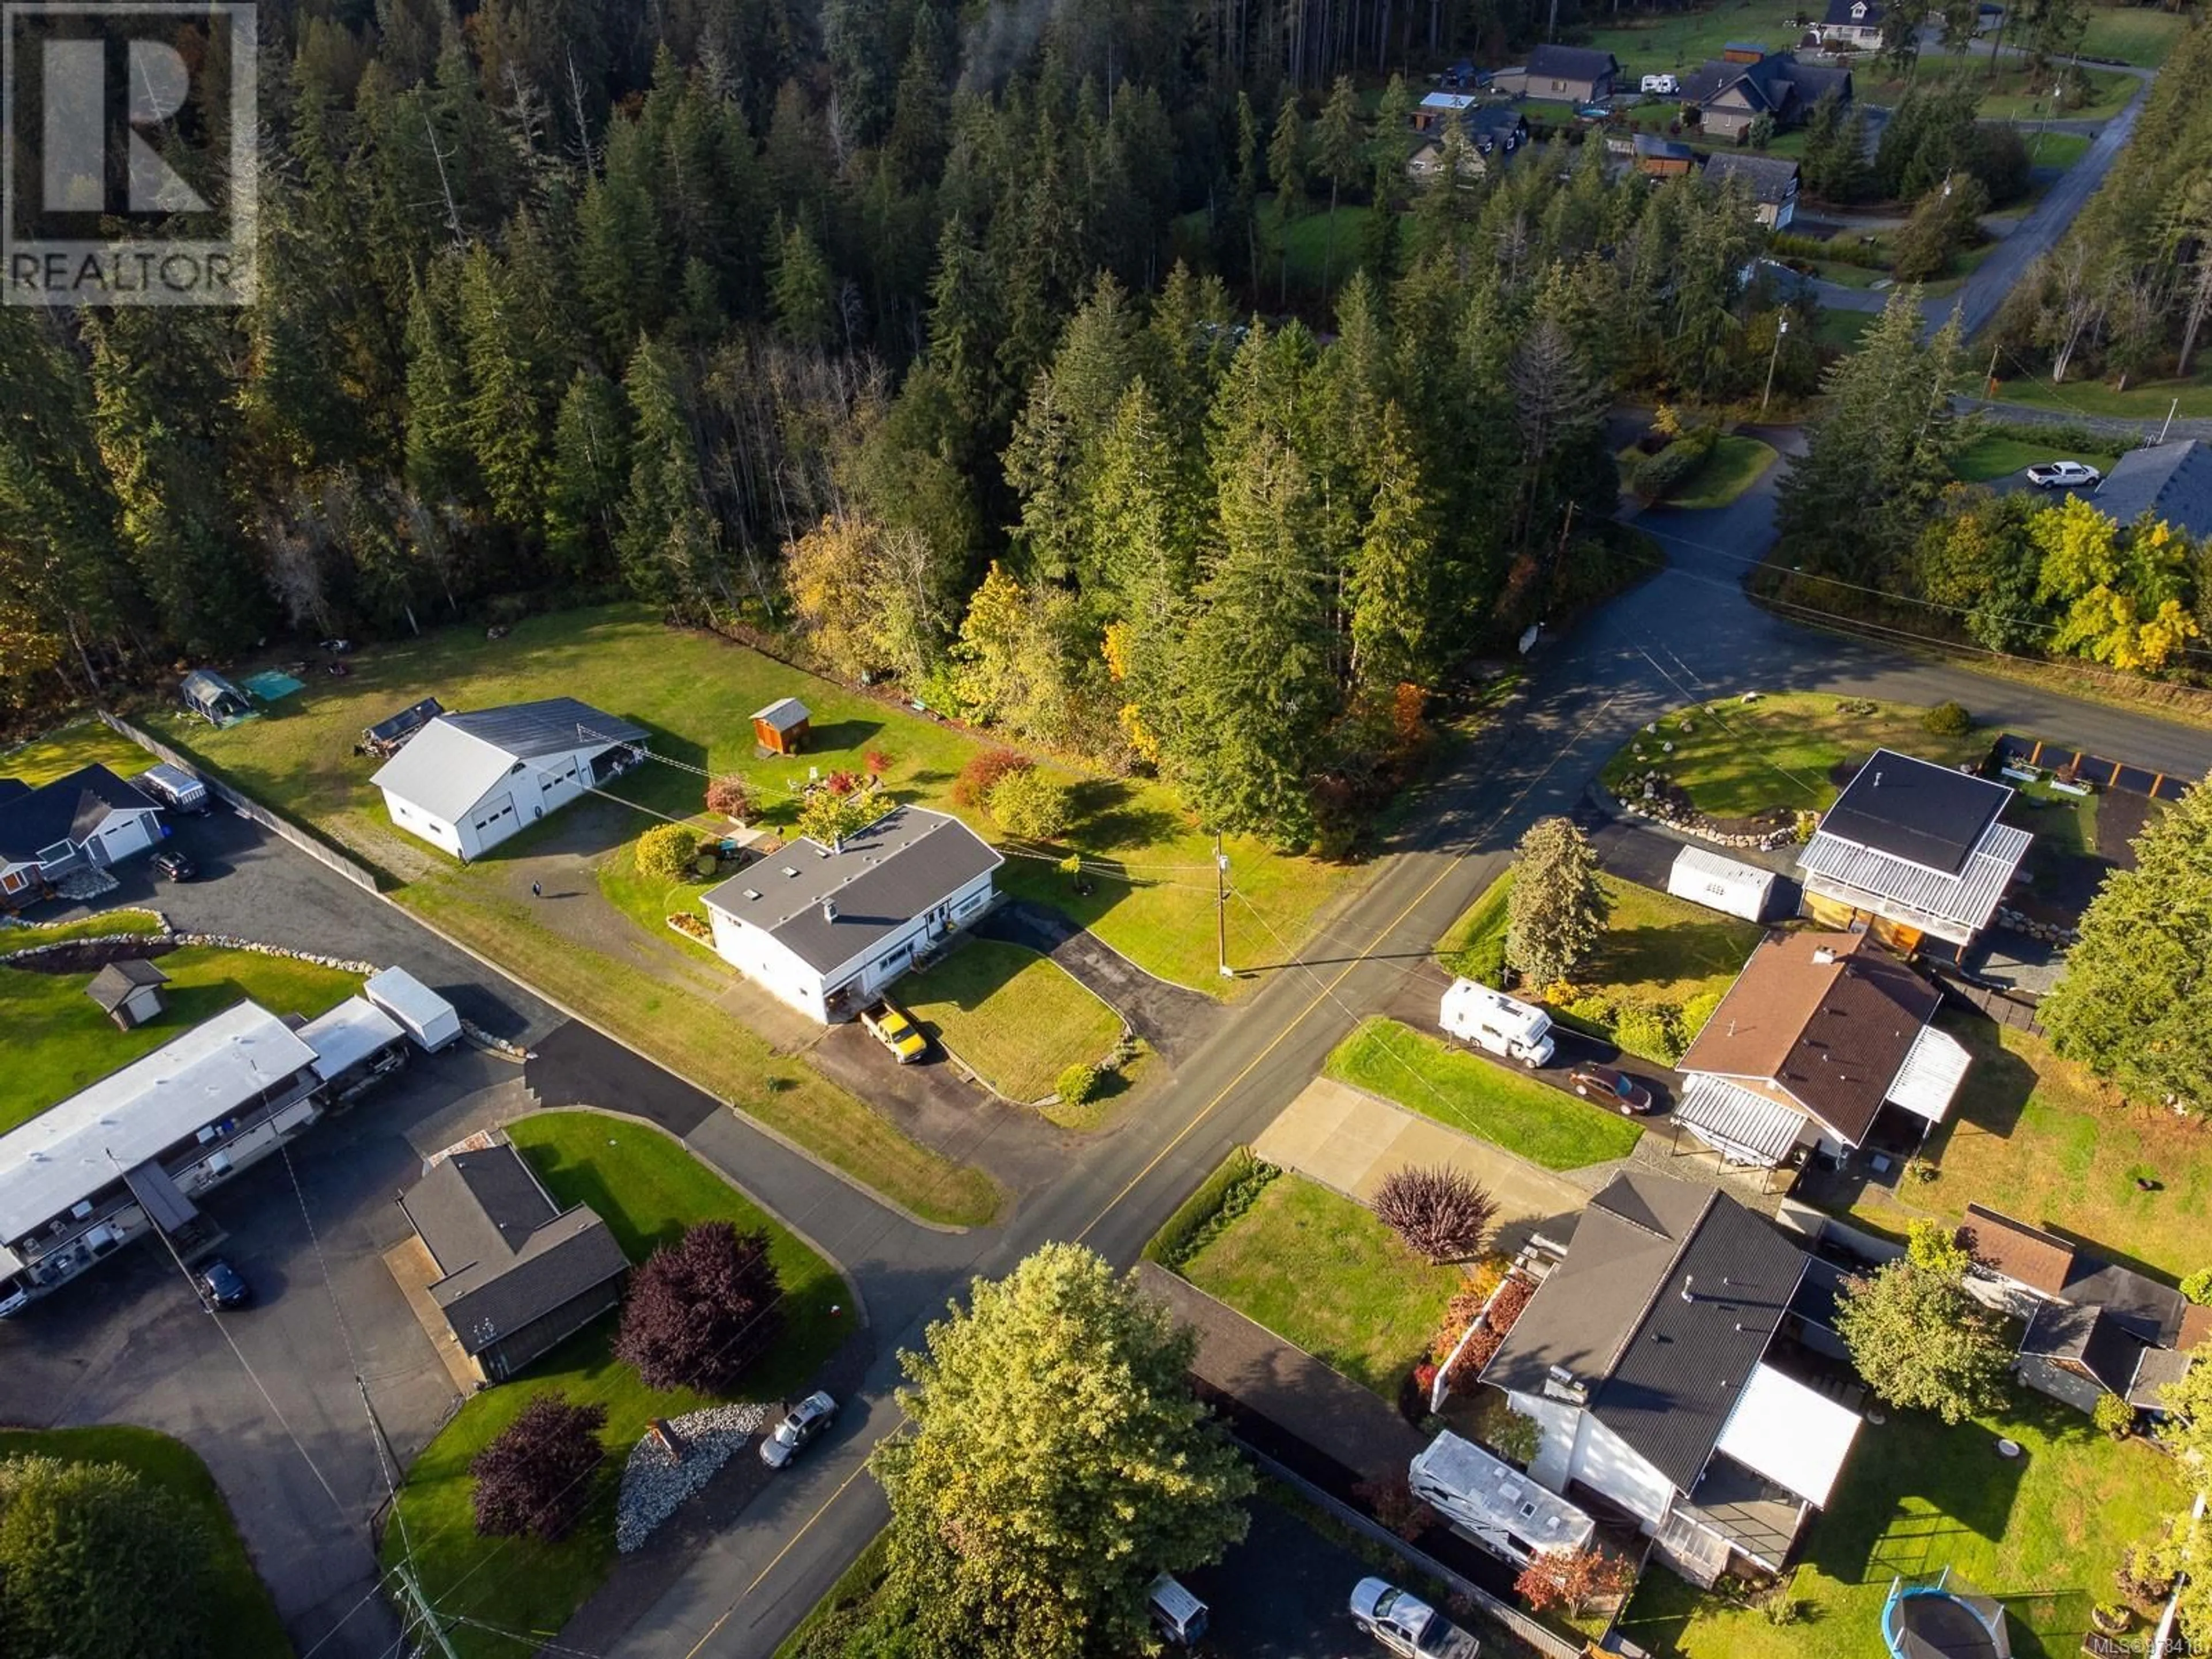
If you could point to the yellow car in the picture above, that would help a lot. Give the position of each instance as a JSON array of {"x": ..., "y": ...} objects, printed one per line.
[{"x": 896, "y": 1033}]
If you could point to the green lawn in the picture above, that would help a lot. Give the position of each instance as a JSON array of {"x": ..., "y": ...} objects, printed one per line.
[
  {"x": 2058, "y": 149},
  {"x": 2141, "y": 35},
  {"x": 1685, "y": 39},
  {"x": 1321, "y": 1272},
  {"x": 1738, "y": 759},
  {"x": 1840, "y": 329},
  {"x": 1993, "y": 455},
  {"x": 695, "y": 693},
  {"x": 80, "y": 742},
  {"x": 1733, "y": 467},
  {"x": 1464, "y": 1092},
  {"x": 1309, "y": 247},
  {"x": 2043, "y": 1531},
  {"x": 108, "y": 924},
  {"x": 1018, "y": 1018},
  {"x": 2037, "y": 1138},
  {"x": 649, "y": 902},
  {"x": 2016, "y": 94},
  {"x": 58, "y": 1042},
  {"x": 243, "y": 1611},
  {"x": 2144, "y": 400},
  {"x": 648, "y": 1189}
]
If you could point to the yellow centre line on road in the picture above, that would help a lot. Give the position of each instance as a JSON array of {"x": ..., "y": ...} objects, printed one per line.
[{"x": 790, "y": 1544}]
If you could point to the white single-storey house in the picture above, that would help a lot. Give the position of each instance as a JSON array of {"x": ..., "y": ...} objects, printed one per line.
[
  {"x": 826, "y": 929},
  {"x": 90, "y": 818},
  {"x": 466, "y": 782}
]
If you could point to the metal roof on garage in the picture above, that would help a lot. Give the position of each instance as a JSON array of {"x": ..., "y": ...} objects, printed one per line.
[
  {"x": 1744, "y": 1125},
  {"x": 1967, "y": 899}
]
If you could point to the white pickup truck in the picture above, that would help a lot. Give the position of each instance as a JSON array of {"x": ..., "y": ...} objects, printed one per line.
[{"x": 1408, "y": 1627}]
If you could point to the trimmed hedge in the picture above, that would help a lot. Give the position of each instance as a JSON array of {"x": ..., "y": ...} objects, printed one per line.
[
  {"x": 1220, "y": 1198},
  {"x": 1655, "y": 478}
]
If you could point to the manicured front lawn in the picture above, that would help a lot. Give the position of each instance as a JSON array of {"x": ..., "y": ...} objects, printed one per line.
[
  {"x": 1993, "y": 455},
  {"x": 1018, "y": 1018},
  {"x": 648, "y": 1189},
  {"x": 1656, "y": 946},
  {"x": 1733, "y": 467},
  {"x": 2042, "y": 1531},
  {"x": 80, "y": 742},
  {"x": 2037, "y": 1138},
  {"x": 58, "y": 1042},
  {"x": 1739, "y": 759},
  {"x": 1683, "y": 39},
  {"x": 2141, "y": 35},
  {"x": 244, "y": 1614},
  {"x": 1533, "y": 1119},
  {"x": 1321, "y": 1272}
]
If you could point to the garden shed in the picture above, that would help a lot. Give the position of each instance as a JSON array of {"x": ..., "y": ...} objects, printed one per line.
[
  {"x": 214, "y": 698},
  {"x": 781, "y": 728},
  {"x": 1719, "y": 884}
]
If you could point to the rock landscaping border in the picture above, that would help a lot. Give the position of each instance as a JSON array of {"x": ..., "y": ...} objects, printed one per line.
[{"x": 656, "y": 1482}]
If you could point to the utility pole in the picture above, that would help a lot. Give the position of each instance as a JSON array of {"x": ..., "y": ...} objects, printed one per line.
[
  {"x": 2172, "y": 409},
  {"x": 1221, "y": 908},
  {"x": 417, "y": 1612},
  {"x": 1990, "y": 380},
  {"x": 1781, "y": 332}
]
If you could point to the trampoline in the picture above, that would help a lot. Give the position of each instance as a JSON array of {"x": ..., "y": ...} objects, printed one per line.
[{"x": 1943, "y": 1621}]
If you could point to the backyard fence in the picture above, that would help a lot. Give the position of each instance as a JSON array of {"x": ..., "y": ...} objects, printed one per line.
[
  {"x": 1999, "y": 1005},
  {"x": 245, "y": 805}
]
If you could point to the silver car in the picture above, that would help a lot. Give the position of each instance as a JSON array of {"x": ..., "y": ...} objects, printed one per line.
[
  {"x": 801, "y": 1425},
  {"x": 1408, "y": 1625}
]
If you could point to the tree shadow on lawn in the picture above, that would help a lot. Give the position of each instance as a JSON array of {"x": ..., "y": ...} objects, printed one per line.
[
  {"x": 1954, "y": 1479},
  {"x": 1108, "y": 812},
  {"x": 1664, "y": 955},
  {"x": 1997, "y": 1084},
  {"x": 837, "y": 735}
]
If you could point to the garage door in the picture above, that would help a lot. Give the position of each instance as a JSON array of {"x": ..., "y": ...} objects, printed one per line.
[{"x": 495, "y": 811}]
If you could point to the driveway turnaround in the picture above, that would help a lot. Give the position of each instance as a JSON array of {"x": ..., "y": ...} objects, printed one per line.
[
  {"x": 1174, "y": 1020},
  {"x": 1346, "y": 1138}
]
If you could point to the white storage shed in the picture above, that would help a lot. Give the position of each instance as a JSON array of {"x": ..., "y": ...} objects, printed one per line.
[{"x": 1723, "y": 884}]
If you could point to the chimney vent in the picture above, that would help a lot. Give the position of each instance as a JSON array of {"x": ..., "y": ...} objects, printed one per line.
[
  {"x": 1823, "y": 954},
  {"x": 1689, "y": 1288},
  {"x": 828, "y": 911}
]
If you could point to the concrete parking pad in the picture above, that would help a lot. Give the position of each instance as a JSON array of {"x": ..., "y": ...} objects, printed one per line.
[
  {"x": 1349, "y": 1140},
  {"x": 415, "y": 1272}
]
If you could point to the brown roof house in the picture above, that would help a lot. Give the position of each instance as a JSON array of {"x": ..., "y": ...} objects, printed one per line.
[
  {"x": 1821, "y": 1035},
  {"x": 517, "y": 1272},
  {"x": 1643, "y": 1360}
]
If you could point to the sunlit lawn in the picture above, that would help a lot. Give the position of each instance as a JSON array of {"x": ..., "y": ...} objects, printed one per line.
[
  {"x": 80, "y": 742},
  {"x": 2143, "y": 400},
  {"x": 1734, "y": 465},
  {"x": 648, "y": 1190},
  {"x": 105, "y": 924},
  {"x": 2042, "y": 1531},
  {"x": 59, "y": 1041},
  {"x": 1741, "y": 758},
  {"x": 1321, "y": 1272},
  {"x": 1994, "y": 455},
  {"x": 1018, "y": 1018},
  {"x": 2141, "y": 35}
]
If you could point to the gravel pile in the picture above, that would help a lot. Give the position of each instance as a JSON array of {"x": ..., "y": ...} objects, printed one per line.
[{"x": 655, "y": 1486}]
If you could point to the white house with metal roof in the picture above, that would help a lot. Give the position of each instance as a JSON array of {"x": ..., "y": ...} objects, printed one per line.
[
  {"x": 825, "y": 929},
  {"x": 466, "y": 782}
]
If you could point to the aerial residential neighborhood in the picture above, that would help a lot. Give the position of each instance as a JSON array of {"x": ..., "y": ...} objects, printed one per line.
[{"x": 1012, "y": 832}]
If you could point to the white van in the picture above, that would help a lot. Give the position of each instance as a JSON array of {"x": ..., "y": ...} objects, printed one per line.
[
  {"x": 1180, "y": 1616},
  {"x": 1498, "y": 1023}
]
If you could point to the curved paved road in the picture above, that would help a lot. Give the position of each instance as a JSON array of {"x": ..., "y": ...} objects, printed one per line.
[{"x": 1687, "y": 633}]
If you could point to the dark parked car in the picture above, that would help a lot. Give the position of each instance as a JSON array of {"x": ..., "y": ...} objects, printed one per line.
[
  {"x": 220, "y": 1286},
  {"x": 1608, "y": 1086},
  {"x": 806, "y": 1419},
  {"x": 173, "y": 866}
]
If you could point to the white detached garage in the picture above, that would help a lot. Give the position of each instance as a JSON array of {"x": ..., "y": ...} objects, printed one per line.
[
  {"x": 1719, "y": 884},
  {"x": 466, "y": 782}
]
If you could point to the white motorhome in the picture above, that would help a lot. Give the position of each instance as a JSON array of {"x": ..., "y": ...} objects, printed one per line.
[
  {"x": 1502, "y": 1025},
  {"x": 1177, "y": 1613},
  {"x": 174, "y": 787},
  {"x": 1494, "y": 1503}
]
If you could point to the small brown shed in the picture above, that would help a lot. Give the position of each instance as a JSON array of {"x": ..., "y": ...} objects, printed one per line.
[
  {"x": 129, "y": 992},
  {"x": 781, "y": 728}
]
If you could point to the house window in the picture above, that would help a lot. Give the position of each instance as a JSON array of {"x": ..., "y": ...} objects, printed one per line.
[{"x": 1558, "y": 86}]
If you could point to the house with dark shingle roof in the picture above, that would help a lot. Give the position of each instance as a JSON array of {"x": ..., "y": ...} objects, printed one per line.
[
  {"x": 90, "y": 818},
  {"x": 1820, "y": 1036},
  {"x": 1578, "y": 75},
  {"x": 128, "y": 992},
  {"x": 466, "y": 782},
  {"x": 1727, "y": 94},
  {"x": 825, "y": 929},
  {"x": 2170, "y": 484},
  {"x": 1643, "y": 1360},
  {"x": 1771, "y": 180},
  {"x": 518, "y": 1274},
  {"x": 1918, "y": 852},
  {"x": 1853, "y": 23}
]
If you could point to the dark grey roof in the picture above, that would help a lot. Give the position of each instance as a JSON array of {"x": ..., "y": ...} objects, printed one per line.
[
  {"x": 2156, "y": 1370},
  {"x": 2137, "y": 1304},
  {"x": 1840, "y": 12},
  {"x": 1776, "y": 83},
  {"x": 1912, "y": 809},
  {"x": 1770, "y": 178},
  {"x": 1493, "y": 119},
  {"x": 1571, "y": 63},
  {"x": 2172, "y": 482},
  {"x": 67, "y": 809},
  {"x": 1666, "y": 149},
  {"x": 1661, "y": 1371},
  {"x": 901, "y": 865},
  {"x": 2086, "y": 1337},
  {"x": 507, "y": 1254},
  {"x": 1817, "y": 1293},
  {"x": 554, "y": 726},
  {"x": 112, "y": 984},
  {"x": 409, "y": 719},
  {"x": 13, "y": 789}
]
